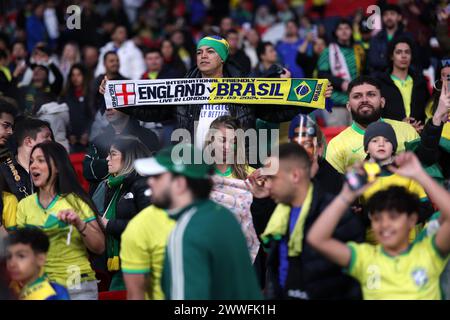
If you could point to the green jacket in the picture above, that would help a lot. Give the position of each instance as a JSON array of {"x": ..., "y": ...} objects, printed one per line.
[{"x": 207, "y": 257}]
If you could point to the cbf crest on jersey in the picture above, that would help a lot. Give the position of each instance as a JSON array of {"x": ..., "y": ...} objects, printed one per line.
[{"x": 420, "y": 277}]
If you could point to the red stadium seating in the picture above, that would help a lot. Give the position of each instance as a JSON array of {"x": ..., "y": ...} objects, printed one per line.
[
  {"x": 331, "y": 132},
  {"x": 112, "y": 295},
  {"x": 77, "y": 162}
]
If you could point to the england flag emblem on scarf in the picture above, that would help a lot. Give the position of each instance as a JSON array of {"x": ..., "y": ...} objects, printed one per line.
[{"x": 125, "y": 94}]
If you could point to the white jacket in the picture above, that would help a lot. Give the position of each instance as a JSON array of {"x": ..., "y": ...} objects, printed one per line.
[
  {"x": 132, "y": 64},
  {"x": 57, "y": 114}
]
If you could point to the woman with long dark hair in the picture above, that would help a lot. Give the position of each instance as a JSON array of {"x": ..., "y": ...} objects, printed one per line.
[
  {"x": 124, "y": 197},
  {"x": 64, "y": 211},
  {"x": 76, "y": 96}
]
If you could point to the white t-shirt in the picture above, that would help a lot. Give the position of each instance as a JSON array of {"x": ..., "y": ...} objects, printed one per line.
[{"x": 208, "y": 114}]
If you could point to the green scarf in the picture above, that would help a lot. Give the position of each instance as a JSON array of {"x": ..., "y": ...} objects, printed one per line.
[
  {"x": 279, "y": 221},
  {"x": 112, "y": 244}
]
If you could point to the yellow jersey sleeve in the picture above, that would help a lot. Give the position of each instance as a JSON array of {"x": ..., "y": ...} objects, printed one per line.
[
  {"x": 143, "y": 247},
  {"x": 437, "y": 260},
  {"x": 408, "y": 133},
  {"x": 9, "y": 216},
  {"x": 335, "y": 157},
  {"x": 21, "y": 214},
  {"x": 135, "y": 250},
  {"x": 416, "y": 188},
  {"x": 361, "y": 255},
  {"x": 446, "y": 130},
  {"x": 82, "y": 208},
  {"x": 429, "y": 110}
]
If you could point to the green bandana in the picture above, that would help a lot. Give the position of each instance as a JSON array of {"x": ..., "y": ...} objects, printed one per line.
[
  {"x": 219, "y": 44},
  {"x": 112, "y": 244}
]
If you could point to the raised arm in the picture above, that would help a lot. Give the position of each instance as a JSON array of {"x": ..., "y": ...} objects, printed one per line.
[
  {"x": 320, "y": 235},
  {"x": 137, "y": 285},
  {"x": 428, "y": 150},
  {"x": 409, "y": 166},
  {"x": 144, "y": 113}
]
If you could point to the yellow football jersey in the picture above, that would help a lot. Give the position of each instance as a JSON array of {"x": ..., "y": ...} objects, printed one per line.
[
  {"x": 348, "y": 147},
  {"x": 66, "y": 261},
  {"x": 9, "y": 211},
  {"x": 143, "y": 247},
  {"x": 412, "y": 275}
]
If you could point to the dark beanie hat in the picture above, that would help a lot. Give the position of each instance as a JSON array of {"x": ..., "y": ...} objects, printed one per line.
[{"x": 382, "y": 129}]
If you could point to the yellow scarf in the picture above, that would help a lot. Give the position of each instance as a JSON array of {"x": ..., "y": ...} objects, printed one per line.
[{"x": 279, "y": 221}]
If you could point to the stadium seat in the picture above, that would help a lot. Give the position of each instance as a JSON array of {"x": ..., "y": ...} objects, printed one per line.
[
  {"x": 77, "y": 162},
  {"x": 331, "y": 132},
  {"x": 112, "y": 295}
]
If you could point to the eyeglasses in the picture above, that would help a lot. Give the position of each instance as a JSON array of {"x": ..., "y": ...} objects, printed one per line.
[
  {"x": 113, "y": 154},
  {"x": 445, "y": 63}
]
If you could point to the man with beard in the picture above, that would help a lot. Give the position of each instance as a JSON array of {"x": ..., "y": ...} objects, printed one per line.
[
  {"x": 365, "y": 104},
  {"x": 206, "y": 256}
]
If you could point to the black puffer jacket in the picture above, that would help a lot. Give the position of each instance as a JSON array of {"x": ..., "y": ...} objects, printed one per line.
[
  {"x": 394, "y": 107},
  {"x": 311, "y": 275},
  {"x": 95, "y": 166},
  {"x": 186, "y": 115},
  {"x": 131, "y": 201},
  {"x": 430, "y": 151}
]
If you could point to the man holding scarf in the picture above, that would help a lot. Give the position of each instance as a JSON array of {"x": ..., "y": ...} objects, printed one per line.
[{"x": 212, "y": 62}]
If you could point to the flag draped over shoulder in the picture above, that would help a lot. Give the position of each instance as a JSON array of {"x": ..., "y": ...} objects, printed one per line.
[
  {"x": 263, "y": 91},
  {"x": 235, "y": 196}
]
